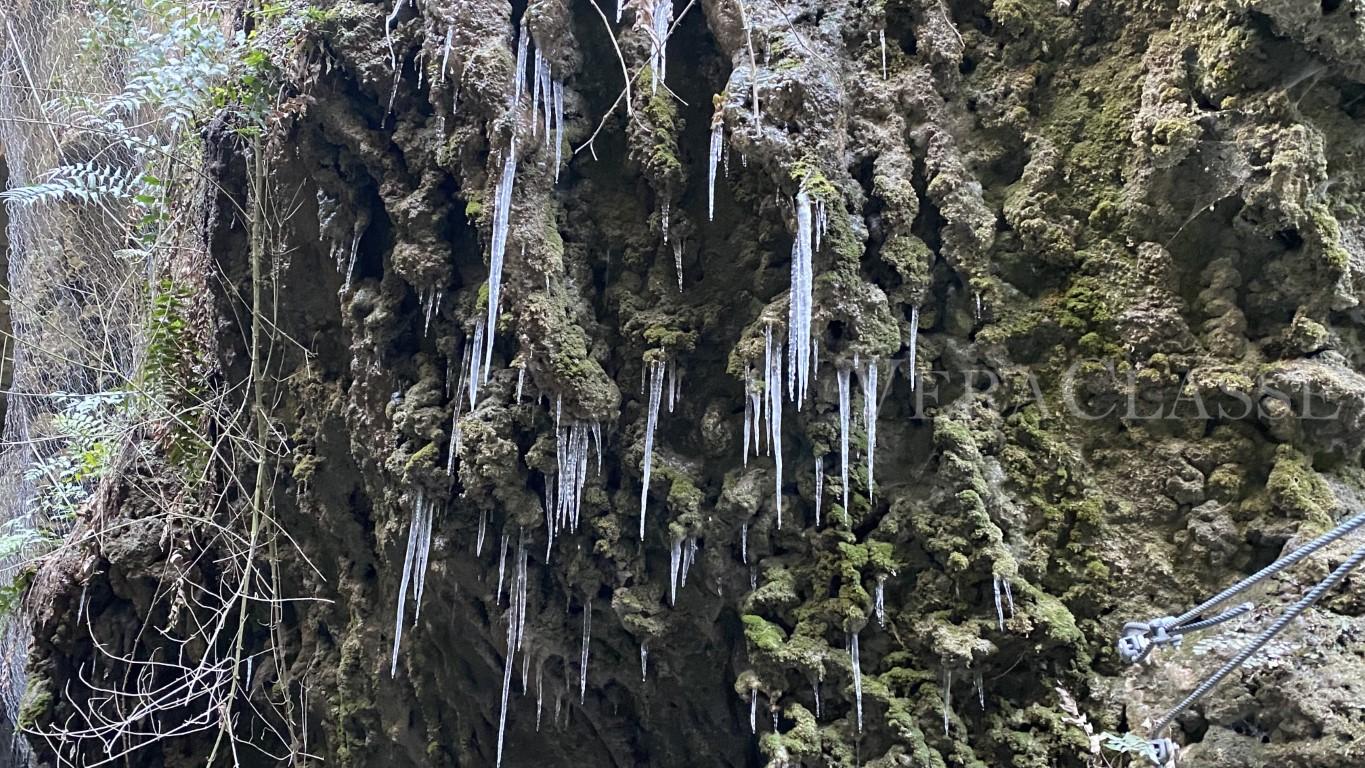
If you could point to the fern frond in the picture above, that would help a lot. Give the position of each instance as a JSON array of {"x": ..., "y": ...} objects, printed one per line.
[{"x": 85, "y": 182}]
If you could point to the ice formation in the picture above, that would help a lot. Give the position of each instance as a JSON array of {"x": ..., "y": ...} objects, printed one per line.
[{"x": 656, "y": 388}]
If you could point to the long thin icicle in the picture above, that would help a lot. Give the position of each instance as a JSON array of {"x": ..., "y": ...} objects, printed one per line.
[
  {"x": 502, "y": 211},
  {"x": 999, "y": 607},
  {"x": 947, "y": 697},
  {"x": 476, "y": 354},
  {"x": 717, "y": 144},
  {"x": 914, "y": 342},
  {"x": 559, "y": 126},
  {"x": 819, "y": 486},
  {"x": 414, "y": 568},
  {"x": 656, "y": 389},
  {"x": 773, "y": 392},
  {"x": 689, "y": 555},
  {"x": 844, "y": 408},
  {"x": 519, "y": 78},
  {"x": 571, "y": 453},
  {"x": 856, "y": 662},
  {"x": 799, "y": 303},
  {"x": 516, "y": 626},
  {"x": 583, "y": 656},
  {"x": 674, "y": 568},
  {"x": 661, "y": 20},
  {"x": 870, "y": 418}
]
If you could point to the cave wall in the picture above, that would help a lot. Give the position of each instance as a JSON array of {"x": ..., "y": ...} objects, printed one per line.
[{"x": 1078, "y": 215}]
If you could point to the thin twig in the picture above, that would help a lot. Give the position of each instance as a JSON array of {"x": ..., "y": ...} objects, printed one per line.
[{"x": 625, "y": 73}]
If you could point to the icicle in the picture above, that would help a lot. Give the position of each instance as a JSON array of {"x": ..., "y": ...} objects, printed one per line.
[
  {"x": 550, "y": 528},
  {"x": 674, "y": 567},
  {"x": 753, "y": 579},
  {"x": 483, "y": 530},
  {"x": 597, "y": 443},
  {"x": 502, "y": 568},
  {"x": 881, "y": 33},
  {"x": 540, "y": 692},
  {"x": 843, "y": 375},
  {"x": 662, "y": 19},
  {"x": 519, "y": 605},
  {"x": 419, "y": 576},
  {"x": 870, "y": 419},
  {"x": 1009, "y": 596},
  {"x": 455, "y": 408},
  {"x": 663, "y": 220},
  {"x": 856, "y": 662},
  {"x": 717, "y": 143},
  {"x": 753, "y": 710},
  {"x": 978, "y": 306},
  {"x": 548, "y": 103},
  {"x": 583, "y": 656},
  {"x": 476, "y": 354},
  {"x": 656, "y": 384},
  {"x": 519, "y": 78},
  {"x": 619, "y": 5},
  {"x": 429, "y": 303},
  {"x": 414, "y": 569},
  {"x": 947, "y": 697},
  {"x": 999, "y": 609},
  {"x": 502, "y": 211},
  {"x": 521, "y": 381},
  {"x": 445, "y": 52},
  {"x": 571, "y": 453},
  {"x": 350, "y": 263},
  {"x": 819, "y": 486},
  {"x": 751, "y": 413},
  {"x": 672, "y": 384},
  {"x": 744, "y": 543},
  {"x": 559, "y": 126},
  {"x": 914, "y": 342},
  {"x": 799, "y": 304},
  {"x": 506, "y": 688},
  {"x": 688, "y": 556},
  {"x": 677, "y": 267},
  {"x": 980, "y": 691},
  {"x": 644, "y": 662},
  {"x": 773, "y": 391},
  {"x": 815, "y": 691},
  {"x": 516, "y": 627},
  {"x": 536, "y": 69},
  {"x": 879, "y": 604}
]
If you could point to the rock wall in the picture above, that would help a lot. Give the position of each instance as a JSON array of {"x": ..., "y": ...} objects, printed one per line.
[{"x": 1124, "y": 241}]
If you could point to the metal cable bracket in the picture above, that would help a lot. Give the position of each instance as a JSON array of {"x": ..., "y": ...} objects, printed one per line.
[{"x": 1138, "y": 640}]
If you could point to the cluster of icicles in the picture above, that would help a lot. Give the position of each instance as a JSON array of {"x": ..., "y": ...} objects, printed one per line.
[{"x": 539, "y": 109}]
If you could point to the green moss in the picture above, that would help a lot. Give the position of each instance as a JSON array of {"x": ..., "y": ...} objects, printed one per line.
[
  {"x": 1328, "y": 231},
  {"x": 799, "y": 744},
  {"x": 763, "y": 635},
  {"x": 423, "y": 458},
  {"x": 1298, "y": 490},
  {"x": 36, "y": 704},
  {"x": 684, "y": 498},
  {"x": 670, "y": 339},
  {"x": 473, "y": 210},
  {"x": 806, "y": 174},
  {"x": 661, "y": 122}
]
